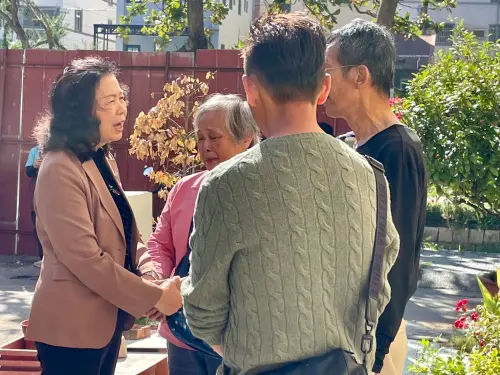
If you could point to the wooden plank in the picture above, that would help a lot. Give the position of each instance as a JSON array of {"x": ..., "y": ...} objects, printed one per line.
[
  {"x": 14, "y": 344},
  {"x": 139, "y": 363},
  {"x": 19, "y": 365},
  {"x": 153, "y": 343},
  {"x": 18, "y": 354},
  {"x": 20, "y": 372}
]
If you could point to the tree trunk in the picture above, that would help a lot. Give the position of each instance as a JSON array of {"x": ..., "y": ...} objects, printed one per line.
[
  {"x": 197, "y": 38},
  {"x": 5, "y": 42},
  {"x": 386, "y": 13},
  {"x": 425, "y": 10},
  {"x": 16, "y": 25},
  {"x": 42, "y": 17}
]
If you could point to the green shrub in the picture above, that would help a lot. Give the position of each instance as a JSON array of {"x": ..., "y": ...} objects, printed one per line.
[
  {"x": 443, "y": 213},
  {"x": 453, "y": 105}
]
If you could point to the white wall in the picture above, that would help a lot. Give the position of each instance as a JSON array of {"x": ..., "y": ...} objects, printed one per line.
[
  {"x": 235, "y": 26},
  {"x": 477, "y": 14},
  {"x": 95, "y": 12},
  {"x": 346, "y": 15}
]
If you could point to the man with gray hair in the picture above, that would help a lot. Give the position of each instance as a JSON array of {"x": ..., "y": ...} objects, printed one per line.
[{"x": 361, "y": 59}]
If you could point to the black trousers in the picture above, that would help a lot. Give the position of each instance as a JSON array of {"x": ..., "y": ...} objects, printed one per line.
[
  {"x": 56, "y": 360},
  {"x": 33, "y": 220},
  {"x": 190, "y": 362}
]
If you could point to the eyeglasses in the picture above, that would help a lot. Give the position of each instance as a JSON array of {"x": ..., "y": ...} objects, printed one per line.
[{"x": 341, "y": 67}]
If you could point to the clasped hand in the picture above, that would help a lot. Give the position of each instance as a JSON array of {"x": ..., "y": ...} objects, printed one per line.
[{"x": 170, "y": 301}]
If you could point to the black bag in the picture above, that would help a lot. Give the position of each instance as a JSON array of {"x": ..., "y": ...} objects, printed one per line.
[
  {"x": 177, "y": 321},
  {"x": 338, "y": 361}
]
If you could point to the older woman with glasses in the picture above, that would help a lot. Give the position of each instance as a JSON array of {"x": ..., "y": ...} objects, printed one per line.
[
  {"x": 90, "y": 288},
  {"x": 224, "y": 127}
]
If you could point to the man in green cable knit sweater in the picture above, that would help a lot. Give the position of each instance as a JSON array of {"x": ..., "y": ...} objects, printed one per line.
[{"x": 283, "y": 233}]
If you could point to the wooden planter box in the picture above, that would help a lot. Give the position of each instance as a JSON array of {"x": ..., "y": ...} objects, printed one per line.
[
  {"x": 19, "y": 357},
  {"x": 137, "y": 332}
]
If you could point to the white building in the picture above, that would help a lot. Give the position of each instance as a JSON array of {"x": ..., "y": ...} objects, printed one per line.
[
  {"x": 480, "y": 16},
  {"x": 234, "y": 28},
  {"x": 80, "y": 17}
]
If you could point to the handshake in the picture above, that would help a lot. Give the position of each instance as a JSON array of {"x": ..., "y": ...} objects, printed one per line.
[{"x": 170, "y": 301}]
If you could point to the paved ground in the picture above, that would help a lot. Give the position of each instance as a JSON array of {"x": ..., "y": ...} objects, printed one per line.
[{"x": 445, "y": 278}]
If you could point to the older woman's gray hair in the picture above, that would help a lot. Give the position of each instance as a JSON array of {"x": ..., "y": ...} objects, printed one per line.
[{"x": 239, "y": 118}]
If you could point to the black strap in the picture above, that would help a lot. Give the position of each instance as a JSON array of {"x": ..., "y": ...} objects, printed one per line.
[
  {"x": 182, "y": 268},
  {"x": 376, "y": 269}
]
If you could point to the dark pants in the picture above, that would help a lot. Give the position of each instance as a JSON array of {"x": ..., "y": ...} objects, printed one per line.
[
  {"x": 190, "y": 362},
  {"x": 56, "y": 360},
  {"x": 33, "y": 220}
]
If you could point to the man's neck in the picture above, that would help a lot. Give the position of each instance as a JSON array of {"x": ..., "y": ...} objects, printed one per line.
[
  {"x": 371, "y": 117},
  {"x": 291, "y": 118}
]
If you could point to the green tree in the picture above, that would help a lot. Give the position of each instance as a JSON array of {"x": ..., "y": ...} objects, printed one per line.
[
  {"x": 173, "y": 18},
  {"x": 180, "y": 17},
  {"x": 54, "y": 28},
  {"x": 454, "y": 106},
  {"x": 383, "y": 11}
]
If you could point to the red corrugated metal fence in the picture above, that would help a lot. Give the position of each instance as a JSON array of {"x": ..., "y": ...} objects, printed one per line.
[{"x": 25, "y": 80}]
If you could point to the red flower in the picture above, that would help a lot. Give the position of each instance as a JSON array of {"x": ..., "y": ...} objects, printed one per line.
[
  {"x": 482, "y": 343},
  {"x": 393, "y": 101},
  {"x": 462, "y": 305},
  {"x": 461, "y": 323},
  {"x": 474, "y": 316}
]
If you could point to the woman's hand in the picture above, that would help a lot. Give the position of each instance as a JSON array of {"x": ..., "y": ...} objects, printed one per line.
[
  {"x": 170, "y": 300},
  {"x": 155, "y": 315}
]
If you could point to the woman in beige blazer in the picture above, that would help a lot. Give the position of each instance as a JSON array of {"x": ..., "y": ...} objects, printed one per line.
[{"x": 90, "y": 286}]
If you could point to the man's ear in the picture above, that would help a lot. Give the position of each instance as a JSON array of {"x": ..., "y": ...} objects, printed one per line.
[
  {"x": 251, "y": 90},
  {"x": 325, "y": 89},
  {"x": 363, "y": 76}
]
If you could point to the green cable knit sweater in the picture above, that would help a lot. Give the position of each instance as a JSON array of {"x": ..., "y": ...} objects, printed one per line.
[{"x": 281, "y": 251}]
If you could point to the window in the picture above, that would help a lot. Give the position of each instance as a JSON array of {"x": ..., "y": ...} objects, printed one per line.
[
  {"x": 239, "y": 7},
  {"x": 222, "y": 46},
  {"x": 245, "y": 6},
  {"x": 443, "y": 37},
  {"x": 78, "y": 20},
  {"x": 132, "y": 48},
  {"x": 494, "y": 33},
  {"x": 479, "y": 33},
  {"x": 30, "y": 21},
  {"x": 230, "y": 4},
  {"x": 110, "y": 22}
]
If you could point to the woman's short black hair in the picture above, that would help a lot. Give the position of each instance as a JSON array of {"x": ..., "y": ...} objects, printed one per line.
[{"x": 71, "y": 123}]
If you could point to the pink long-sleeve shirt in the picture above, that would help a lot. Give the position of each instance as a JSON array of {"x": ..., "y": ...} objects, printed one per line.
[{"x": 168, "y": 244}]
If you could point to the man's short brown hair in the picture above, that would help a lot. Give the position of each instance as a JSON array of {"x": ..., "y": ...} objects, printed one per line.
[{"x": 286, "y": 52}]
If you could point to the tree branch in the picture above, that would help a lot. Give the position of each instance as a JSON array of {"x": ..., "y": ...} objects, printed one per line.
[
  {"x": 44, "y": 20},
  {"x": 386, "y": 12},
  {"x": 4, "y": 16},
  {"x": 361, "y": 11}
]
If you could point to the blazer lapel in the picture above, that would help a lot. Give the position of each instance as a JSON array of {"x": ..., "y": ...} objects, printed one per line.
[
  {"x": 113, "y": 166},
  {"x": 104, "y": 194}
]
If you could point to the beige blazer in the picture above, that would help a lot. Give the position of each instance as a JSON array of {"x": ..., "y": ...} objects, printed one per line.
[{"x": 83, "y": 281}]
